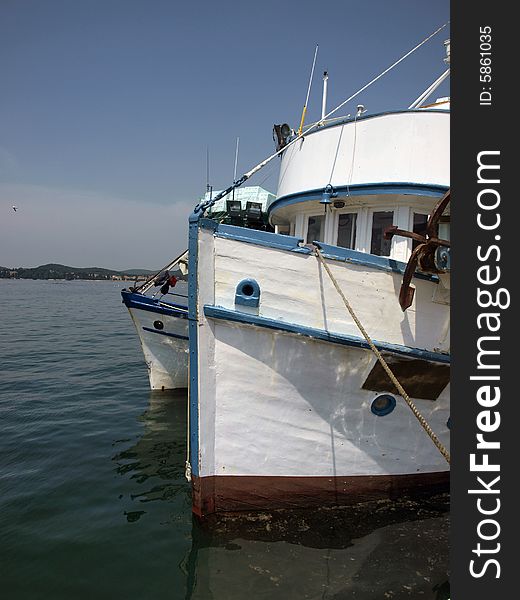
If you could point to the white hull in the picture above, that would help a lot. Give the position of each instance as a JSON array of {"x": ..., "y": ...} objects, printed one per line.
[
  {"x": 272, "y": 419},
  {"x": 165, "y": 350},
  {"x": 280, "y": 404}
]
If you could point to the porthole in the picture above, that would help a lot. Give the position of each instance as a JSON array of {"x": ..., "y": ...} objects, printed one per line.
[
  {"x": 158, "y": 325},
  {"x": 448, "y": 423},
  {"x": 383, "y": 405},
  {"x": 247, "y": 289}
]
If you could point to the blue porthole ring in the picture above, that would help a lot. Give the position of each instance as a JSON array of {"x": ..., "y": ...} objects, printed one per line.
[
  {"x": 247, "y": 293},
  {"x": 383, "y": 405}
]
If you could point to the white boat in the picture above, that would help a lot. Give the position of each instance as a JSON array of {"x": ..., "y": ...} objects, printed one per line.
[
  {"x": 159, "y": 312},
  {"x": 290, "y": 404}
]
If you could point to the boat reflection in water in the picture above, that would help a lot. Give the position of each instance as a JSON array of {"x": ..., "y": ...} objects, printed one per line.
[
  {"x": 156, "y": 461},
  {"x": 387, "y": 549},
  {"x": 377, "y": 551}
]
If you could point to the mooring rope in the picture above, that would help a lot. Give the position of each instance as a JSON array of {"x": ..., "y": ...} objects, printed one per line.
[{"x": 442, "y": 449}]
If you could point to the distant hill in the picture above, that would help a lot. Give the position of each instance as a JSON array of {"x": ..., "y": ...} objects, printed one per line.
[
  {"x": 138, "y": 272},
  {"x": 57, "y": 271}
]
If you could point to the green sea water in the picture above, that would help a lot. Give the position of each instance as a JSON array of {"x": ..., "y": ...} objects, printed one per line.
[{"x": 93, "y": 499}]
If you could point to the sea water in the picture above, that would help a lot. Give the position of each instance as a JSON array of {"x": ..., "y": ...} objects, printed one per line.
[{"x": 93, "y": 499}]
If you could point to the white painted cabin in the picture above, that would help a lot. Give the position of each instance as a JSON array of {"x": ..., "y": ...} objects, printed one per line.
[{"x": 387, "y": 169}]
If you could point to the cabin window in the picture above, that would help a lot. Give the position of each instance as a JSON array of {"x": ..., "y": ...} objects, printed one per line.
[
  {"x": 381, "y": 221},
  {"x": 444, "y": 228},
  {"x": 347, "y": 230},
  {"x": 419, "y": 226},
  {"x": 315, "y": 227}
]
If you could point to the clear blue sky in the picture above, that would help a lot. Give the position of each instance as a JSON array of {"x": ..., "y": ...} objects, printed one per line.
[{"x": 107, "y": 107}]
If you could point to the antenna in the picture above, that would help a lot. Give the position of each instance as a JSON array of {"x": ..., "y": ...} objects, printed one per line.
[
  {"x": 324, "y": 97},
  {"x": 209, "y": 189},
  {"x": 308, "y": 91},
  {"x": 235, "y": 169},
  {"x": 236, "y": 160}
]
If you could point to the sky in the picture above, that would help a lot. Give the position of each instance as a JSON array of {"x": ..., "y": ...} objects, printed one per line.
[{"x": 109, "y": 107}]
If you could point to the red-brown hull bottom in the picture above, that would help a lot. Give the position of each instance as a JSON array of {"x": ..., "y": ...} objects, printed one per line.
[{"x": 264, "y": 493}]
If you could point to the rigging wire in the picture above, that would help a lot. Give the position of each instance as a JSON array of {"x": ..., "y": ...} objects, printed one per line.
[{"x": 388, "y": 69}]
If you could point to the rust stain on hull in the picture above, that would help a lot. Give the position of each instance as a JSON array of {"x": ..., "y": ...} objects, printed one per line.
[{"x": 230, "y": 493}]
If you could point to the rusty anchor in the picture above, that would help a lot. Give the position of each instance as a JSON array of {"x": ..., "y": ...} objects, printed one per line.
[{"x": 432, "y": 255}]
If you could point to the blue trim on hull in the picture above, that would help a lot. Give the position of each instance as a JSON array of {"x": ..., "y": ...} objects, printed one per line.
[
  {"x": 260, "y": 238},
  {"x": 133, "y": 300},
  {"x": 218, "y": 312},
  {"x": 193, "y": 383},
  {"x": 362, "y": 189},
  {"x": 291, "y": 244},
  {"x": 382, "y": 263},
  {"x": 174, "y": 335}
]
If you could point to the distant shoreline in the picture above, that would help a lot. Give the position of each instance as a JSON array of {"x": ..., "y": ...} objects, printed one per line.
[
  {"x": 62, "y": 279},
  {"x": 66, "y": 273}
]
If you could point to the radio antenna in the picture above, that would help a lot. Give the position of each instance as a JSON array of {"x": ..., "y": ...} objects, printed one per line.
[
  {"x": 209, "y": 189},
  {"x": 235, "y": 169},
  {"x": 236, "y": 160}
]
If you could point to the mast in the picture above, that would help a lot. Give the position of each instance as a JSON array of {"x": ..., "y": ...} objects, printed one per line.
[{"x": 308, "y": 92}]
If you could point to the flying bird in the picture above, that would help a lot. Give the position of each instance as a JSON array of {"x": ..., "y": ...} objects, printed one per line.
[{"x": 15, "y": 208}]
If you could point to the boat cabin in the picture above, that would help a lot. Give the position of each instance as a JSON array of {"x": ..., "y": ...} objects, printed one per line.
[{"x": 352, "y": 193}]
